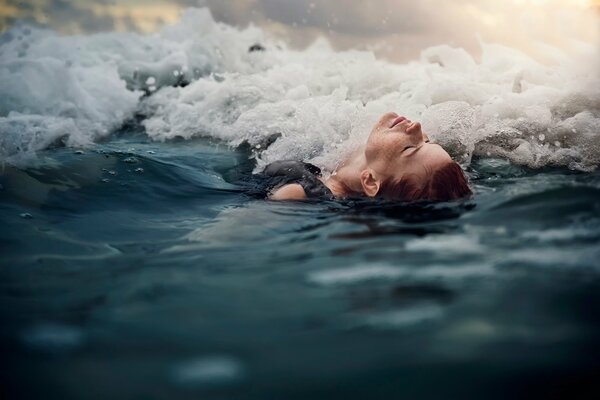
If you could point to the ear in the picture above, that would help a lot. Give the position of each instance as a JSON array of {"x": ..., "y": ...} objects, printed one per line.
[{"x": 370, "y": 183}]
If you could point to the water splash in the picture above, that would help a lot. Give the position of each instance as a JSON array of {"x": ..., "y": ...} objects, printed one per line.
[{"x": 198, "y": 78}]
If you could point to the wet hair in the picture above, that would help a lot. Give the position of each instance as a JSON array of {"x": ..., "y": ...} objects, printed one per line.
[{"x": 444, "y": 184}]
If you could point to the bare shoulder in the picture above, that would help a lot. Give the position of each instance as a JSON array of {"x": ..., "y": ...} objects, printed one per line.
[{"x": 293, "y": 191}]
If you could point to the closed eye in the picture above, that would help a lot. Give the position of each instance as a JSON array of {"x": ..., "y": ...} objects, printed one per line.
[{"x": 407, "y": 147}]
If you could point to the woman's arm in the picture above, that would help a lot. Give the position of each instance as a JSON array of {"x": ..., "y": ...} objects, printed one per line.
[{"x": 292, "y": 191}]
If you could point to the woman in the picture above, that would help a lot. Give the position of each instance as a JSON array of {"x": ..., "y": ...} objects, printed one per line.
[{"x": 398, "y": 162}]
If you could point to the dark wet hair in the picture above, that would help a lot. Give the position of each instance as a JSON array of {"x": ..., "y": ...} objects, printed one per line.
[{"x": 444, "y": 184}]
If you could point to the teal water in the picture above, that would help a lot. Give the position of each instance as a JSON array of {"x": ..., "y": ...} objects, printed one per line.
[{"x": 144, "y": 270}]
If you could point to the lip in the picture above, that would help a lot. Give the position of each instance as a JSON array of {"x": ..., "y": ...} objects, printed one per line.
[{"x": 399, "y": 120}]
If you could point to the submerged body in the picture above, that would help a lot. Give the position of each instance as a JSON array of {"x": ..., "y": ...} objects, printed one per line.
[
  {"x": 397, "y": 162},
  {"x": 296, "y": 180}
]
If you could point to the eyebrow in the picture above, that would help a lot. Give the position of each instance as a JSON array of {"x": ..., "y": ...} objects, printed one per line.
[{"x": 420, "y": 147}]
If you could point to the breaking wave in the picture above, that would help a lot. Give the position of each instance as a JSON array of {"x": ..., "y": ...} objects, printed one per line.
[{"x": 201, "y": 78}]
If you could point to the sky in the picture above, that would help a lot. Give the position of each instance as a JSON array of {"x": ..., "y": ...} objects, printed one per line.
[{"x": 394, "y": 29}]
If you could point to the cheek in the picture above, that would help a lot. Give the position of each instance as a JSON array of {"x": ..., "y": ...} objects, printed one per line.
[{"x": 383, "y": 147}]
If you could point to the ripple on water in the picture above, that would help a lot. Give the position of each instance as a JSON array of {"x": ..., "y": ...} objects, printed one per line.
[
  {"x": 53, "y": 338},
  {"x": 555, "y": 257},
  {"x": 206, "y": 372},
  {"x": 359, "y": 273},
  {"x": 447, "y": 244},
  {"x": 567, "y": 234},
  {"x": 371, "y": 272},
  {"x": 402, "y": 318}
]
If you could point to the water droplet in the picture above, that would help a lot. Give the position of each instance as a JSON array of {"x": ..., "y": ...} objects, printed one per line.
[
  {"x": 139, "y": 170},
  {"x": 105, "y": 180},
  {"x": 258, "y": 146},
  {"x": 557, "y": 143},
  {"x": 151, "y": 88},
  {"x": 542, "y": 137},
  {"x": 113, "y": 173},
  {"x": 151, "y": 80},
  {"x": 176, "y": 73},
  {"x": 25, "y": 215},
  {"x": 488, "y": 154}
]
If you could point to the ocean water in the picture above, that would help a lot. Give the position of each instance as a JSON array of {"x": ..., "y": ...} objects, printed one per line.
[{"x": 135, "y": 264}]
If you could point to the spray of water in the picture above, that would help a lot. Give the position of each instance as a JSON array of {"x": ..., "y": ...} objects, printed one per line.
[{"x": 197, "y": 78}]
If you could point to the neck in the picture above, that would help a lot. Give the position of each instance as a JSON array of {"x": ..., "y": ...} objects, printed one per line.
[{"x": 346, "y": 179}]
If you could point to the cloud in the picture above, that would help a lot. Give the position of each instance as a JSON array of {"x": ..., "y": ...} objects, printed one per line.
[
  {"x": 399, "y": 29},
  {"x": 357, "y": 18},
  {"x": 76, "y": 16},
  {"x": 395, "y": 29}
]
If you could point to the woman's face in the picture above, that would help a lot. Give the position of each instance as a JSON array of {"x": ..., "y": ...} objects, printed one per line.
[{"x": 398, "y": 147}]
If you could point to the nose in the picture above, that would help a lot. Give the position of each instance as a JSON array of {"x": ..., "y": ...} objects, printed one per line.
[{"x": 414, "y": 130}]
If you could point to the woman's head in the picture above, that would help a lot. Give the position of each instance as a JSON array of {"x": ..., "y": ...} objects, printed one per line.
[{"x": 403, "y": 164}]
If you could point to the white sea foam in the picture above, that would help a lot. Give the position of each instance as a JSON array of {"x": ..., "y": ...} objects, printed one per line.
[{"x": 317, "y": 101}]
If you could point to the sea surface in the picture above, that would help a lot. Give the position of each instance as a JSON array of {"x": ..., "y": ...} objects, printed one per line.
[{"x": 137, "y": 262}]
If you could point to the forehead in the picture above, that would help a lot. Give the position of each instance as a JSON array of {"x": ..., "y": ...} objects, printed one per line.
[{"x": 432, "y": 154}]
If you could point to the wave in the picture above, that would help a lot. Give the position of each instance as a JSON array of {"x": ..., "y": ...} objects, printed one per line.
[{"x": 201, "y": 78}]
